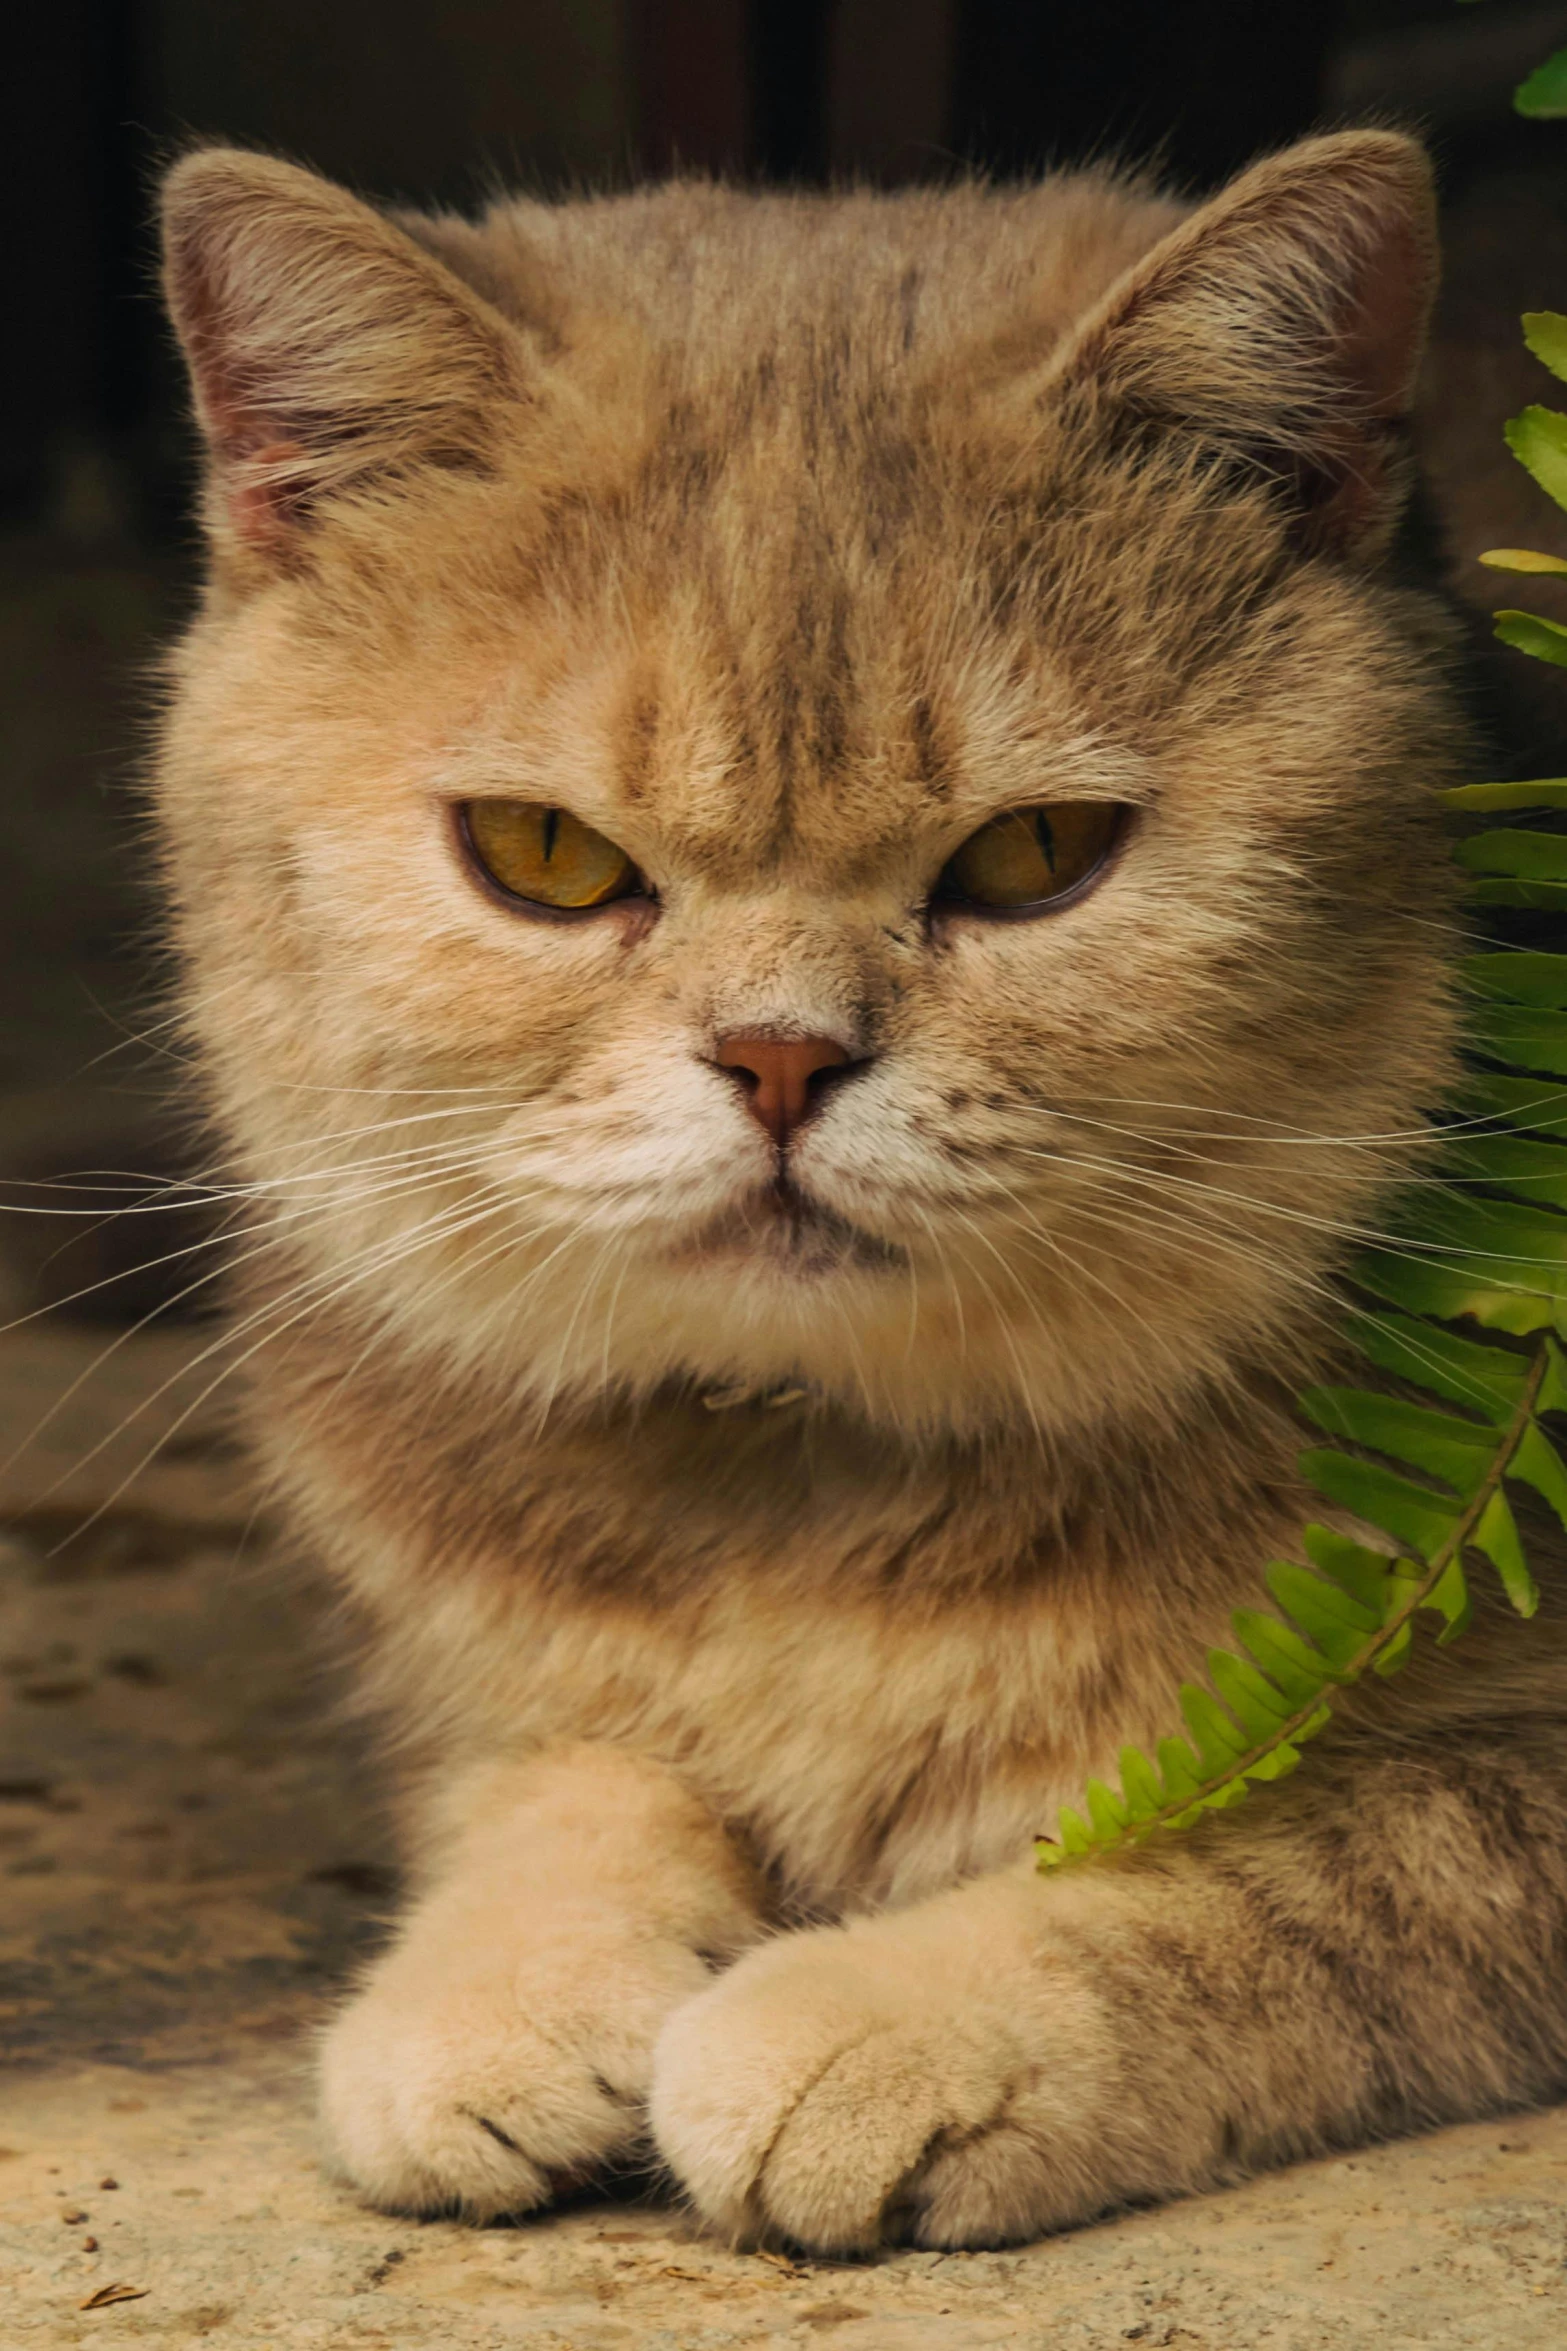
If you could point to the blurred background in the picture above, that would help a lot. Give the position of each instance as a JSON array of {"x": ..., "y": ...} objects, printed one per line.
[{"x": 439, "y": 100}]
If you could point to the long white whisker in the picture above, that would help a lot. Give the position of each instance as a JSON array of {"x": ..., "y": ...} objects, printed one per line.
[{"x": 372, "y": 1261}]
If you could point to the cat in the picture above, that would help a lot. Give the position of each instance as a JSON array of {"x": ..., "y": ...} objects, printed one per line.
[{"x": 803, "y": 835}]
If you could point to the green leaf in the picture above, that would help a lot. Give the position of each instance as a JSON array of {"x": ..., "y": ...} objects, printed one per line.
[
  {"x": 1361, "y": 1573},
  {"x": 1106, "y": 1811},
  {"x": 1451, "y": 1292},
  {"x": 1337, "y": 1624},
  {"x": 1215, "y": 1737},
  {"x": 1278, "y": 1762},
  {"x": 1395, "y": 1655},
  {"x": 1254, "y": 1701},
  {"x": 1455, "y": 1450},
  {"x": 1492, "y": 799},
  {"x": 1551, "y": 1395},
  {"x": 1449, "y": 1596},
  {"x": 1529, "y": 1244},
  {"x": 1497, "y": 1537},
  {"x": 1537, "y": 1039},
  {"x": 1536, "y": 857},
  {"x": 1538, "y": 439},
  {"x": 1542, "y": 897},
  {"x": 1140, "y": 1783},
  {"x": 1515, "y": 1163},
  {"x": 1412, "y": 1514},
  {"x": 1518, "y": 976},
  {"x": 1530, "y": 632},
  {"x": 1300, "y": 1672},
  {"x": 1545, "y": 332},
  {"x": 1525, "y": 559},
  {"x": 1523, "y": 1102},
  {"x": 1485, "y": 1378},
  {"x": 1544, "y": 95},
  {"x": 1182, "y": 1776},
  {"x": 1536, "y": 1461},
  {"x": 1073, "y": 1832}
]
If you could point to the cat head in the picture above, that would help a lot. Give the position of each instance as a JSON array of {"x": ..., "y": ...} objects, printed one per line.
[{"x": 813, "y": 790}]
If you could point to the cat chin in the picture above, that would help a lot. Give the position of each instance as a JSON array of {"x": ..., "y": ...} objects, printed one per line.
[{"x": 781, "y": 1230}]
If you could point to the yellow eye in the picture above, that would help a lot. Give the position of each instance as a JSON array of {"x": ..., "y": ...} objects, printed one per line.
[
  {"x": 1032, "y": 857},
  {"x": 546, "y": 856}
]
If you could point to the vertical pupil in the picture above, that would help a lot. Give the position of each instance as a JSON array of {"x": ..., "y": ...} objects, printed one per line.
[
  {"x": 1045, "y": 837},
  {"x": 551, "y": 828}
]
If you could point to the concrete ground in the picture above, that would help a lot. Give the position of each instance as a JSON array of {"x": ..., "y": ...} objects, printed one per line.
[{"x": 191, "y": 1858}]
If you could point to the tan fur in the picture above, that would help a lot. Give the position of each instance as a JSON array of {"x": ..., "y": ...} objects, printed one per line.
[{"x": 786, "y": 539}]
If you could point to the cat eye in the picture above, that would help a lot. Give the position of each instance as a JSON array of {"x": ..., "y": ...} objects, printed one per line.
[
  {"x": 546, "y": 856},
  {"x": 1032, "y": 859}
]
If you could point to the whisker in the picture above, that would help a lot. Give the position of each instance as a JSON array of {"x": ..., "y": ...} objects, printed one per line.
[{"x": 375, "y": 1260}]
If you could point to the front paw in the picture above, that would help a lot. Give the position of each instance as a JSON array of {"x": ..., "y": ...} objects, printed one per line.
[
  {"x": 839, "y": 2091},
  {"x": 463, "y": 2082}
]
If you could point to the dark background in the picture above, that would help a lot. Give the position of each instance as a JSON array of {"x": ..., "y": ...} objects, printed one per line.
[{"x": 416, "y": 99}]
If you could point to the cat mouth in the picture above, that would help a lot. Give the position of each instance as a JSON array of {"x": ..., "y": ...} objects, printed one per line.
[{"x": 782, "y": 1226}]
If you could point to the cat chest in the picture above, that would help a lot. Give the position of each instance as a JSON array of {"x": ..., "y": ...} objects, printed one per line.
[{"x": 858, "y": 1756}]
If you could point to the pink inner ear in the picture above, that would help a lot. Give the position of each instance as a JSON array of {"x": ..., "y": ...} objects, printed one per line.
[
  {"x": 261, "y": 496},
  {"x": 1384, "y": 329}
]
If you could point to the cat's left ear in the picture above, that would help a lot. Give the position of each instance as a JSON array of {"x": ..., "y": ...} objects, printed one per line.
[
  {"x": 326, "y": 349},
  {"x": 1285, "y": 322}
]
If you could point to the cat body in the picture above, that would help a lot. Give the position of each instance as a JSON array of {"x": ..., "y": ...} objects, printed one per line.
[{"x": 791, "y": 1364}]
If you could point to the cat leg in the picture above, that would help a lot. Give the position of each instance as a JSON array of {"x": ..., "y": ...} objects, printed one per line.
[
  {"x": 501, "y": 2048},
  {"x": 1022, "y": 2052}
]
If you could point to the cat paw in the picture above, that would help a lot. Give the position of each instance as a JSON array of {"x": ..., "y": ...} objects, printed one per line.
[
  {"x": 819, "y": 2096},
  {"x": 453, "y": 2084}
]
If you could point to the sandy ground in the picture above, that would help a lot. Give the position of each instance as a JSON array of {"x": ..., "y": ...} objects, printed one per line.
[{"x": 190, "y": 1859}]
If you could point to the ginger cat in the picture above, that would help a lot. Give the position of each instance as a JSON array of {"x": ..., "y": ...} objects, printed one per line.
[{"x": 804, "y": 843}]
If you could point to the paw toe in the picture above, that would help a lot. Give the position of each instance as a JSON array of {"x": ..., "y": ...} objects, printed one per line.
[
  {"x": 789, "y": 2107},
  {"x": 427, "y": 2120},
  {"x": 989, "y": 2187},
  {"x": 844, "y": 2149}
]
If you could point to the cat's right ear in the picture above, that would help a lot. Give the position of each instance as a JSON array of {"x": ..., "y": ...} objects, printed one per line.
[
  {"x": 1283, "y": 323},
  {"x": 325, "y": 348}
]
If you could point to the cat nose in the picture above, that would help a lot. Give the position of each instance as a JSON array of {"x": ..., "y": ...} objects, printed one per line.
[{"x": 778, "y": 1074}]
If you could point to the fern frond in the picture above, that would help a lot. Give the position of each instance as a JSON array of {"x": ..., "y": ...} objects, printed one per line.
[
  {"x": 1428, "y": 1471},
  {"x": 1353, "y": 1617}
]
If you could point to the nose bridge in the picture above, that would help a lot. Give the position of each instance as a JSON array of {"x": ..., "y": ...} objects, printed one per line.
[
  {"x": 783, "y": 968},
  {"x": 792, "y": 990}
]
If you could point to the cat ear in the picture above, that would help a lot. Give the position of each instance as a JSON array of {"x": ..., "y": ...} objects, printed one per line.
[
  {"x": 1285, "y": 322},
  {"x": 325, "y": 348}
]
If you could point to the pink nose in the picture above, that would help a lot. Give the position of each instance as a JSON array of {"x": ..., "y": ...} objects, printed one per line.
[{"x": 777, "y": 1073}]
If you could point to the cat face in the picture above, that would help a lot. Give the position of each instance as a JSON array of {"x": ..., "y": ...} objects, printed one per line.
[{"x": 985, "y": 772}]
